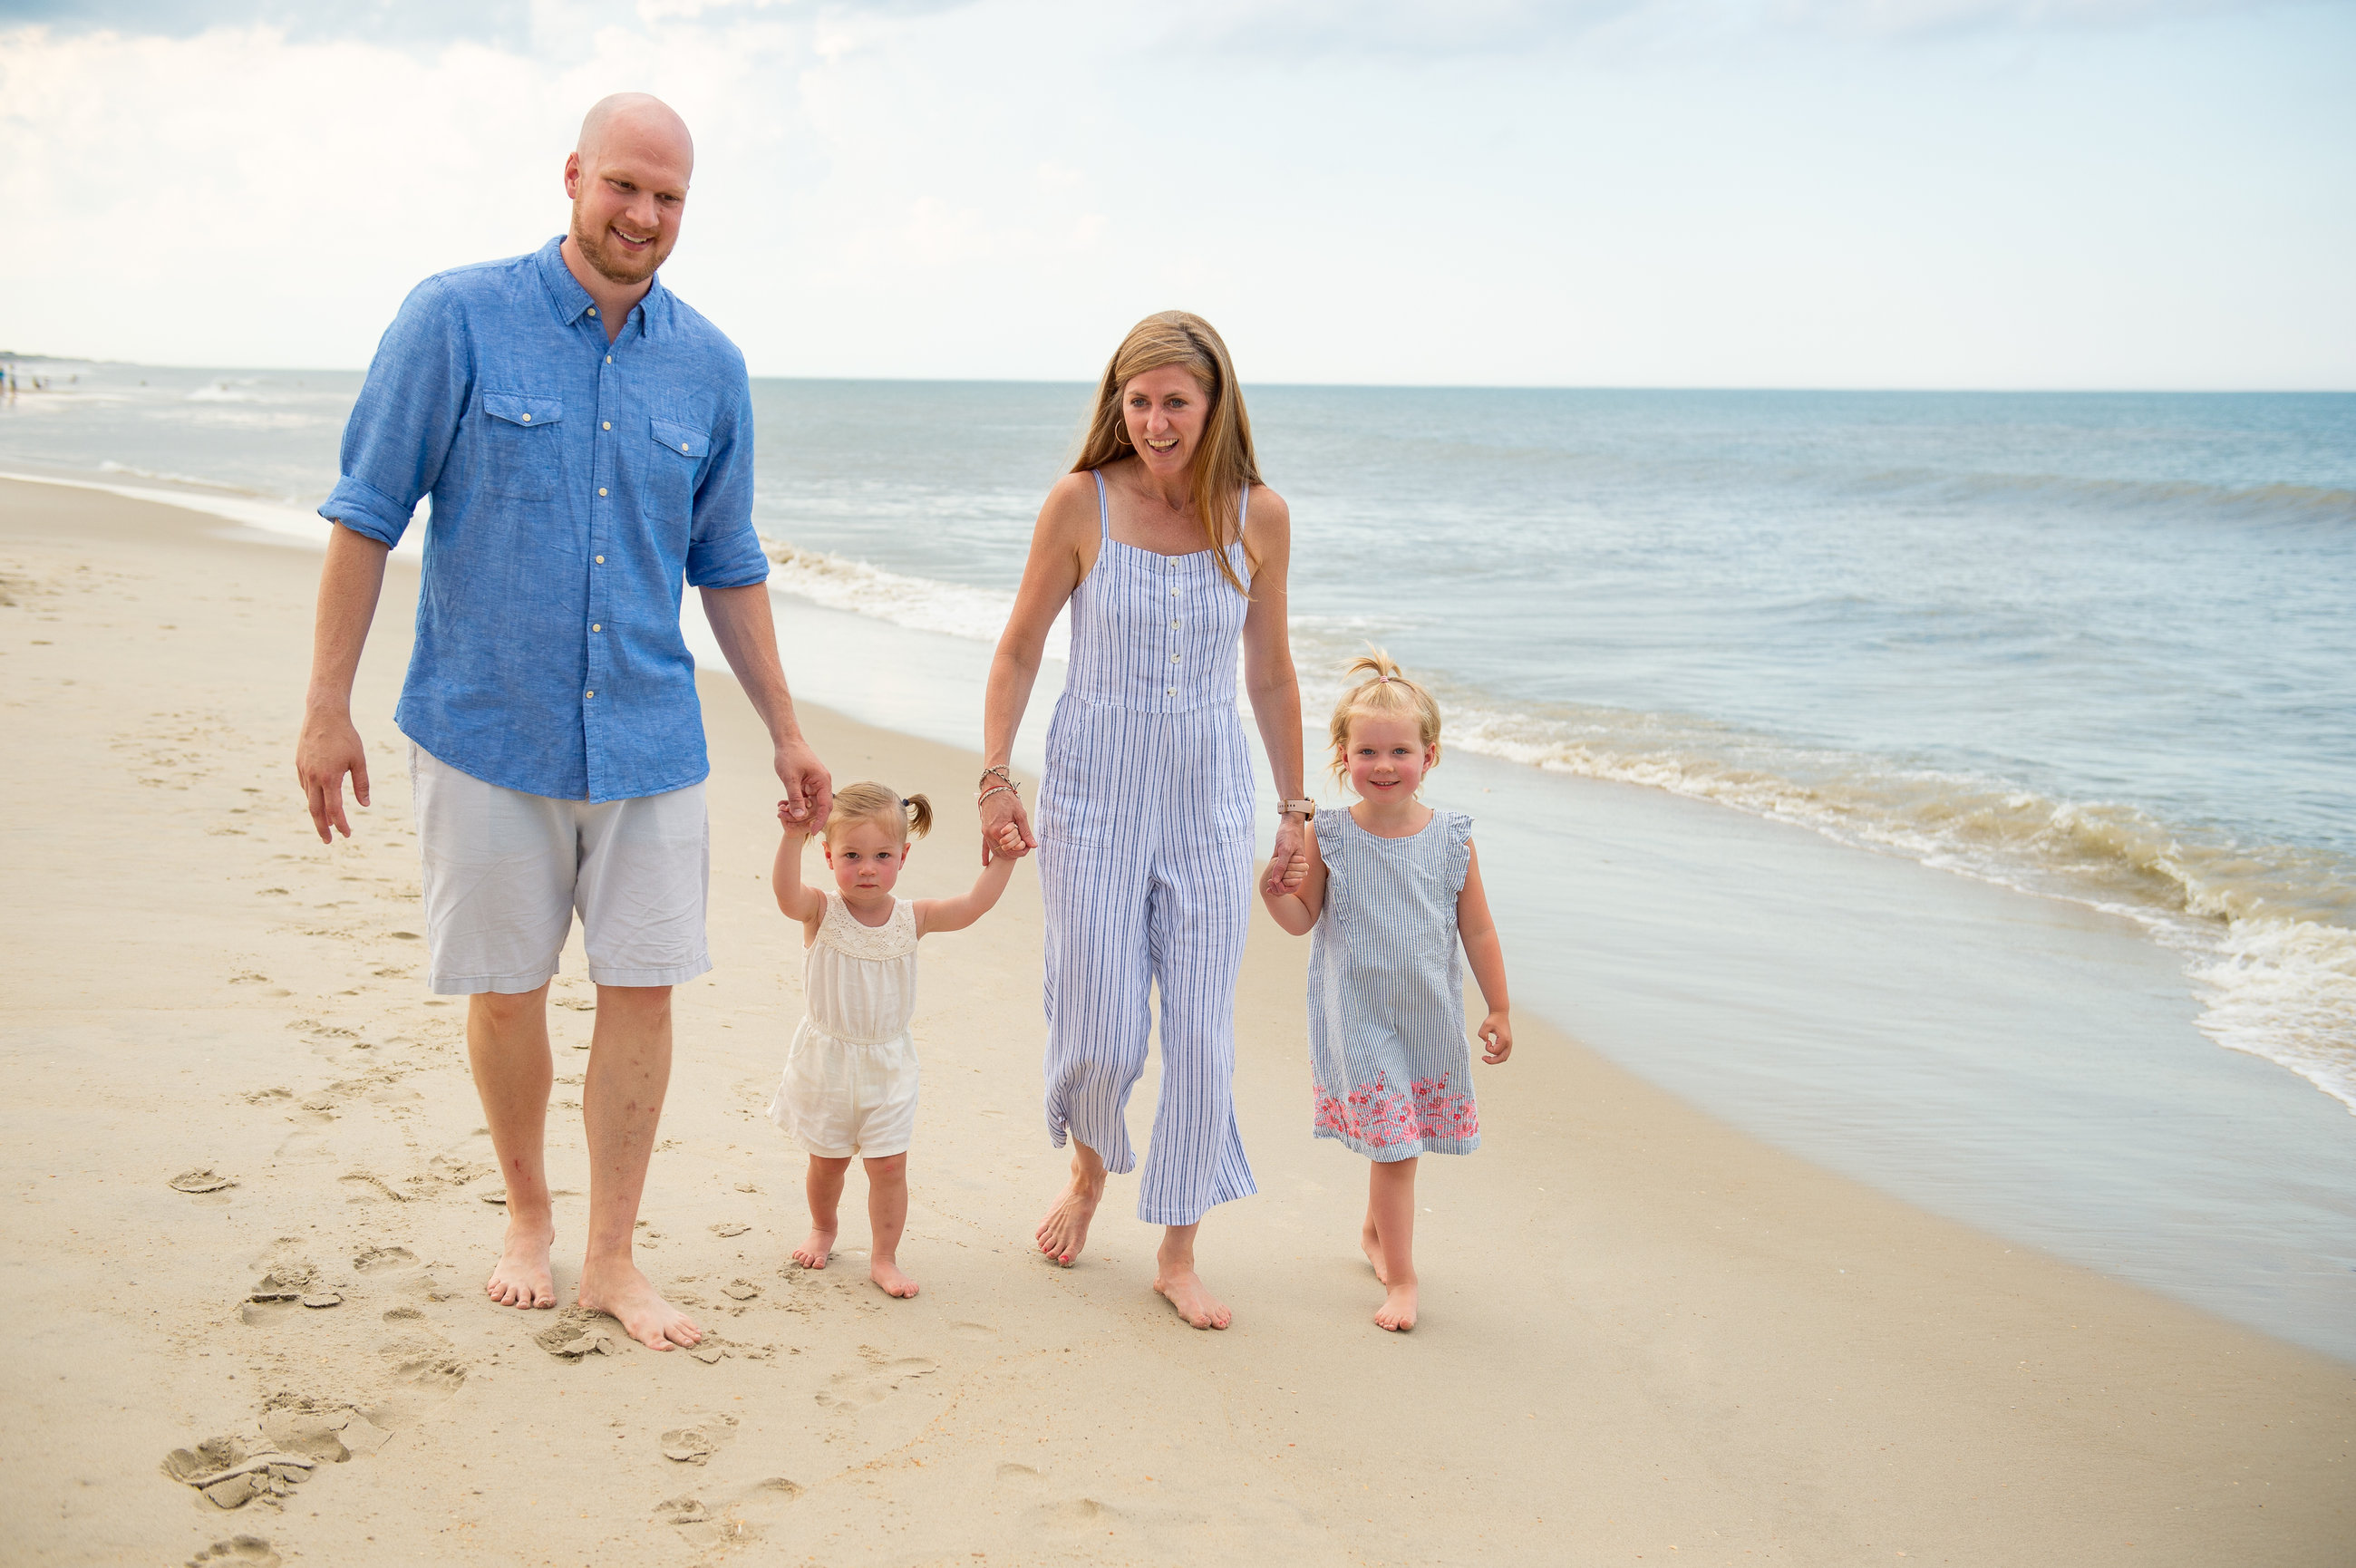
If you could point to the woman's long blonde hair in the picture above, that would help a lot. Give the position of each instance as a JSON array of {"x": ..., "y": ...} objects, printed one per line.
[{"x": 1224, "y": 464}]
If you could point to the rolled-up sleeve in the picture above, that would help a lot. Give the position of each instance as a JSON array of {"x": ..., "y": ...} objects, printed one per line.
[
  {"x": 723, "y": 550},
  {"x": 405, "y": 420}
]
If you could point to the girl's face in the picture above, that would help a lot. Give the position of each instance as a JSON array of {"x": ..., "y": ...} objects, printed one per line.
[
  {"x": 865, "y": 856},
  {"x": 1386, "y": 758},
  {"x": 1164, "y": 410}
]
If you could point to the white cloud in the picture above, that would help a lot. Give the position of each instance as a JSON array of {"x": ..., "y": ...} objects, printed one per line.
[{"x": 998, "y": 188}]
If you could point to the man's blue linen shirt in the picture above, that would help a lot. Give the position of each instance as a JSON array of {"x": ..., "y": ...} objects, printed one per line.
[{"x": 575, "y": 483}]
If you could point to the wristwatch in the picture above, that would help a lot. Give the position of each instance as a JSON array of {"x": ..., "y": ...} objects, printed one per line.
[{"x": 1308, "y": 809}]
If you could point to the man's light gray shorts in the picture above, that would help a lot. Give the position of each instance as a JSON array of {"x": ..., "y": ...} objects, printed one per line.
[{"x": 504, "y": 871}]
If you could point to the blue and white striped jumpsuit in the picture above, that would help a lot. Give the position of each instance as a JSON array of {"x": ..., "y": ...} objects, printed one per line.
[{"x": 1145, "y": 866}]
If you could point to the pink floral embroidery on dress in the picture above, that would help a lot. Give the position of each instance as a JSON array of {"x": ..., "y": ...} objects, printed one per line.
[{"x": 1379, "y": 1116}]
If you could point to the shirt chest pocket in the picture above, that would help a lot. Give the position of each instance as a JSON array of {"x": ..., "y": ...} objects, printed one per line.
[
  {"x": 670, "y": 479},
  {"x": 521, "y": 441}
]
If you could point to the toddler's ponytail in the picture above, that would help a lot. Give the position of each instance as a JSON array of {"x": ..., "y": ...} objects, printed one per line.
[{"x": 868, "y": 801}]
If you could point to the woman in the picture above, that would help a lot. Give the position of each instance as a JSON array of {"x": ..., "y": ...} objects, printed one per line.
[{"x": 1171, "y": 553}]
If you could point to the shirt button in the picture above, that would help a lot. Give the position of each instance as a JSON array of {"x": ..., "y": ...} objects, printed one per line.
[
  {"x": 526, "y": 418},
  {"x": 609, "y": 424},
  {"x": 601, "y": 490},
  {"x": 609, "y": 359},
  {"x": 683, "y": 447},
  {"x": 588, "y": 694},
  {"x": 593, "y": 310},
  {"x": 595, "y": 627},
  {"x": 601, "y": 560}
]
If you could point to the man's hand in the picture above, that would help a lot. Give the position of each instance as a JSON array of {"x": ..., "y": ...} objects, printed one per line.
[
  {"x": 1289, "y": 864},
  {"x": 330, "y": 748},
  {"x": 810, "y": 788}
]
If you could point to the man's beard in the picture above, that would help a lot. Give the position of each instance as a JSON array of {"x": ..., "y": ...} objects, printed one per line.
[{"x": 618, "y": 269}]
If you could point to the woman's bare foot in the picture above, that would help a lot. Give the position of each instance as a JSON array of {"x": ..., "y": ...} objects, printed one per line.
[
  {"x": 618, "y": 1290},
  {"x": 1065, "y": 1230},
  {"x": 1371, "y": 1243},
  {"x": 1397, "y": 1310},
  {"x": 889, "y": 1280},
  {"x": 521, "y": 1277},
  {"x": 815, "y": 1250},
  {"x": 1192, "y": 1298}
]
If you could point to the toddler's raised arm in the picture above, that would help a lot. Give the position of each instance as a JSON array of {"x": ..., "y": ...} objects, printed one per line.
[
  {"x": 1296, "y": 911},
  {"x": 800, "y": 900},
  {"x": 957, "y": 914}
]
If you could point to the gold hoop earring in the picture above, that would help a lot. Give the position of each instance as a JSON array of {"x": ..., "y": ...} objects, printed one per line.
[{"x": 1120, "y": 434}]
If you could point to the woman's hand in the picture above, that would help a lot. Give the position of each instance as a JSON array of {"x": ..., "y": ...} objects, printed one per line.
[
  {"x": 1005, "y": 828},
  {"x": 1289, "y": 864}
]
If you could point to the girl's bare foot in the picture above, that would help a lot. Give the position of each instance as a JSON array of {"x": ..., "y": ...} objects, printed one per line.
[
  {"x": 521, "y": 1277},
  {"x": 1398, "y": 1311},
  {"x": 621, "y": 1292},
  {"x": 1370, "y": 1243},
  {"x": 889, "y": 1280},
  {"x": 815, "y": 1250}
]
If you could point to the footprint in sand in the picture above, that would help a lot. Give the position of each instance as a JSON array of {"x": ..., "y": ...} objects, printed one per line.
[
  {"x": 855, "y": 1391},
  {"x": 230, "y": 1476},
  {"x": 579, "y": 1332},
  {"x": 329, "y": 1431},
  {"x": 204, "y": 1180},
  {"x": 698, "y": 1437},
  {"x": 978, "y": 1332},
  {"x": 1074, "y": 1513},
  {"x": 237, "y": 1552},
  {"x": 382, "y": 1258},
  {"x": 423, "y": 1357}
]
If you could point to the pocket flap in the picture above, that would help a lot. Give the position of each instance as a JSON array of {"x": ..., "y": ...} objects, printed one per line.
[
  {"x": 516, "y": 408},
  {"x": 685, "y": 440}
]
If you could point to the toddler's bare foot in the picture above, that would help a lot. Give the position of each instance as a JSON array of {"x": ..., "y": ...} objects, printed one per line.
[
  {"x": 1065, "y": 1230},
  {"x": 621, "y": 1292},
  {"x": 889, "y": 1280},
  {"x": 1398, "y": 1311},
  {"x": 1372, "y": 1245},
  {"x": 1192, "y": 1298},
  {"x": 520, "y": 1278},
  {"x": 816, "y": 1249}
]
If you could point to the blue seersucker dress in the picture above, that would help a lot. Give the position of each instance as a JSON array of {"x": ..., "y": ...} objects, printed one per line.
[{"x": 1386, "y": 1043}]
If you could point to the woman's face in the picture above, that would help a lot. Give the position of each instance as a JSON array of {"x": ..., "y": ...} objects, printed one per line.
[{"x": 1165, "y": 410}]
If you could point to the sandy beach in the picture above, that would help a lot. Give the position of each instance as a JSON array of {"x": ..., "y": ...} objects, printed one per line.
[{"x": 1646, "y": 1338}]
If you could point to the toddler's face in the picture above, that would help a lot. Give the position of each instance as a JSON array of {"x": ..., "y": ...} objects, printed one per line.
[
  {"x": 867, "y": 857},
  {"x": 1387, "y": 758}
]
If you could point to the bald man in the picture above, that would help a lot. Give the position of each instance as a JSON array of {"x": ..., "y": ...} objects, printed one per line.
[{"x": 588, "y": 442}]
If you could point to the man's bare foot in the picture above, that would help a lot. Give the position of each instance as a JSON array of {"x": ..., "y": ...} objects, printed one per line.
[
  {"x": 622, "y": 1293},
  {"x": 1192, "y": 1297},
  {"x": 520, "y": 1278},
  {"x": 1398, "y": 1311},
  {"x": 814, "y": 1252},
  {"x": 1372, "y": 1245},
  {"x": 1065, "y": 1230},
  {"x": 889, "y": 1280}
]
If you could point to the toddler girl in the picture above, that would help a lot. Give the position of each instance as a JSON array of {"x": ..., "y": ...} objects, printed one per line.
[
  {"x": 1391, "y": 887},
  {"x": 850, "y": 1084}
]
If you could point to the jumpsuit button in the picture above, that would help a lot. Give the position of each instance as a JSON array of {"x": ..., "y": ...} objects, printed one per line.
[
  {"x": 1173, "y": 658},
  {"x": 1174, "y": 625},
  {"x": 1168, "y": 692}
]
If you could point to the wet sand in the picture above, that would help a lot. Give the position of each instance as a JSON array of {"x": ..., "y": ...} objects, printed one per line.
[{"x": 1645, "y": 1336}]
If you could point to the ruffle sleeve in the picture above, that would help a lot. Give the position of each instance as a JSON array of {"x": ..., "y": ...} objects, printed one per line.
[{"x": 1459, "y": 830}]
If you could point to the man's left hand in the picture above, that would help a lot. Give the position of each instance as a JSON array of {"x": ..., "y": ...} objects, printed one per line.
[{"x": 810, "y": 788}]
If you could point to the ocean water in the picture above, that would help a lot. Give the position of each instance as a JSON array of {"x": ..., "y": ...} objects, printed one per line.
[{"x": 2058, "y": 686}]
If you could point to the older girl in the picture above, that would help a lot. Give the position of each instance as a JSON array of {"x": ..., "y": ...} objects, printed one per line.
[
  {"x": 1392, "y": 888},
  {"x": 1172, "y": 556}
]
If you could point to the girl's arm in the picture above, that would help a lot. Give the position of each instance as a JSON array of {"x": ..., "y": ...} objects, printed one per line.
[
  {"x": 1269, "y": 678},
  {"x": 799, "y": 900},
  {"x": 1061, "y": 547},
  {"x": 1296, "y": 911},
  {"x": 1479, "y": 933},
  {"x": 957, "y": 914}
]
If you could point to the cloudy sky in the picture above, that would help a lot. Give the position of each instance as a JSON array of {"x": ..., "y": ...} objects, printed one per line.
[{"x": 1962, "y": 193}]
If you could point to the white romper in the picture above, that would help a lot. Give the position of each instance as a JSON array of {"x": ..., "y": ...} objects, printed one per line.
[{"x": 850, "y": 1084}]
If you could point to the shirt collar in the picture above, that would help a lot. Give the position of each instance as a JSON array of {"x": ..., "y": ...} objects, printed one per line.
[{"x": 570, "y": 300}]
